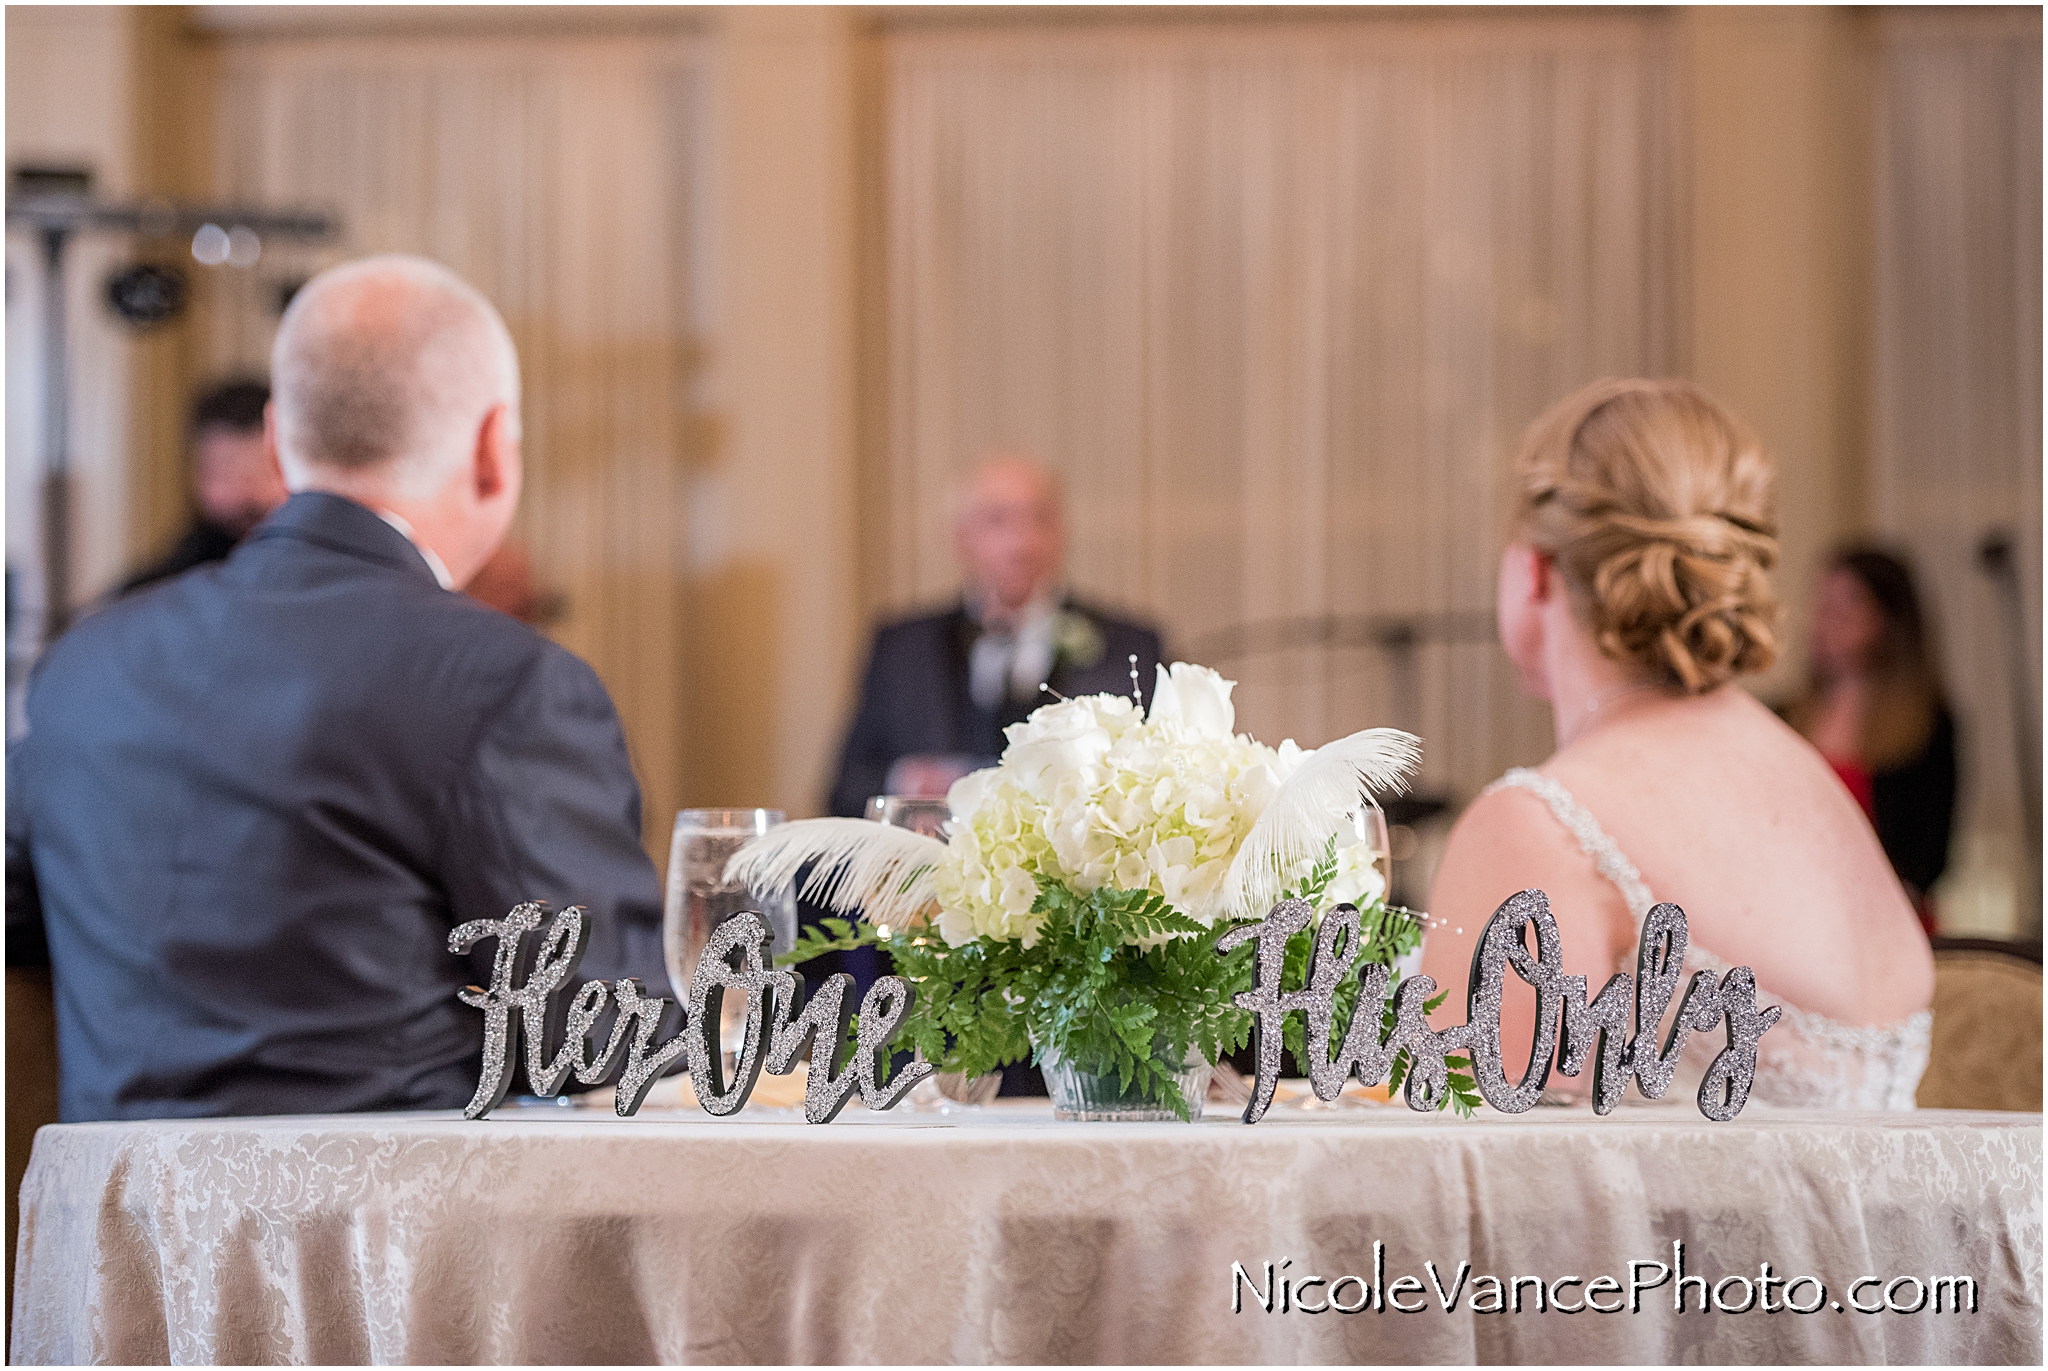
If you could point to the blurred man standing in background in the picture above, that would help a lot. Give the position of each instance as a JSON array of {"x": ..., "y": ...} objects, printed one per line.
[
  {"x": 941, "y": 687},
  {"x": 234, "y": 479}
]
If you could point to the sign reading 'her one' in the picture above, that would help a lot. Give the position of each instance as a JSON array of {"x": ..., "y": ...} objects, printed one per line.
[{"x": 782, "y": 1019}]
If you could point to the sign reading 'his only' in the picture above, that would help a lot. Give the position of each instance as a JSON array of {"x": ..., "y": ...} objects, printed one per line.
[{"x": 783, "y": 1017}]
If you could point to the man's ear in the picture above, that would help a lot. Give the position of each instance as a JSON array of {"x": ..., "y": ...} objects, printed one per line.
[{"x": 497, "y": 452}]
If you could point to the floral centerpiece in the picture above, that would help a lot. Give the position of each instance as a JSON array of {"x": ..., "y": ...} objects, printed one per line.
[{"x": 1072, "y": 913}]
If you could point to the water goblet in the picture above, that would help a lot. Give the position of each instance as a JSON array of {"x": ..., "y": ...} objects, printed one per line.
[{"x": 699, "y": 898}]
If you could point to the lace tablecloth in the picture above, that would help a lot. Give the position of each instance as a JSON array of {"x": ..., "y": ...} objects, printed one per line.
[{"x": 548, "y": 1235}]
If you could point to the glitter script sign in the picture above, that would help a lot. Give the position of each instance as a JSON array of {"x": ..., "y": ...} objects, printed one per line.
[
  {"x": 782, "y": 1018},
  {"x": 1568, "y": 1026}
]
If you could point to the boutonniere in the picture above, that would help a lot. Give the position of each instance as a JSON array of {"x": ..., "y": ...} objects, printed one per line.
[{"x": 1076, "y": 639}]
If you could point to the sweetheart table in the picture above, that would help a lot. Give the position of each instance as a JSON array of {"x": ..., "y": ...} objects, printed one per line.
[{"x": 546, "y": 1234}]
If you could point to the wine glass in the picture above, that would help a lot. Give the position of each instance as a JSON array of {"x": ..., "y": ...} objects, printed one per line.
[
  {"x": 1369, "y": 825},
  {"x": 943, "y": 1089},
  {"x": 929, "y": 817},
  {"x": 699, "y": 898}
]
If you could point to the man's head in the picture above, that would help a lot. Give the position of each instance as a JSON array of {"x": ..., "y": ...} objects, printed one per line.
[
  {"x": 1008, "y": 529},
  {"x": 235, "y": 480},
  {"x": 398, "y": 386}
]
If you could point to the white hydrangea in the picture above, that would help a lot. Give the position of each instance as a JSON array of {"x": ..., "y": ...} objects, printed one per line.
[{"x": 1091, "y": 793}]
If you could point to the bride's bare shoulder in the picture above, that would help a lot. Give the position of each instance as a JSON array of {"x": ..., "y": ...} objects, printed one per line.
[
  {"x": 1506, "y": 819},
  {"x": 1508, "y": 840},
  {"x": 1727, "y": 735}
]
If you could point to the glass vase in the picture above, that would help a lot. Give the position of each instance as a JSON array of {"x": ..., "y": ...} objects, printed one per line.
[{"x": 1084, "y": 1097}]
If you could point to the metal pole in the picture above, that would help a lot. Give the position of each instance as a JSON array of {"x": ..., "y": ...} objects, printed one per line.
[
  {"x": 56, "y": 442},
  {"x": 1399, "y": 643},
  {"x": 1996, "y": 555},
  {"x": 54, "y": 218}
]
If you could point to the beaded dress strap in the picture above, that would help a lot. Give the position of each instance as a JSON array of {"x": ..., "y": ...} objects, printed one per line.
[{"x": 1592, "y": 839}]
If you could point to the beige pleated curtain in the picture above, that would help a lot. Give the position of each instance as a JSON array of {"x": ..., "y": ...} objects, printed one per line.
[
  {"x": 1957, "y": 422},
  {"x": 1277, "y": 301}
]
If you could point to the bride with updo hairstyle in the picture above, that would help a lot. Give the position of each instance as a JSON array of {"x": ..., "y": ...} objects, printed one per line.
[{"x": 1634, "y": 592}]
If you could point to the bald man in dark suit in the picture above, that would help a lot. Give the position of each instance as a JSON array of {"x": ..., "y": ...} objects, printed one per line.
[
  {"x": 941, "y": 687},
  {"x": 254, "y": 800}
]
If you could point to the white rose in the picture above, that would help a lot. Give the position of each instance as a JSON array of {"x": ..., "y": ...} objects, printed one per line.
[
  {"x": 1092, "y": 793},
  {"x": 1062, "y": 743},
  {"x": 1195, "y": 698},
  {"x": 1067, "y": 718}
]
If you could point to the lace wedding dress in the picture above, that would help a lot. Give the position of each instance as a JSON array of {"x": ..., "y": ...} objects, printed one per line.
[{"x": 1807, "y": 1059}]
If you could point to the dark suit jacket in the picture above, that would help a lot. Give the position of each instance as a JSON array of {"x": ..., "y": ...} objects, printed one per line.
[
  {"x": 253, "y": 801},
  {"x": 914, "y": 697},
  {"x": 203, "y": 542}
]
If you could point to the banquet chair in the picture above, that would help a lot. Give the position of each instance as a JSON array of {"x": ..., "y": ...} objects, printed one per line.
[{"x": 1986, "y": 1051}]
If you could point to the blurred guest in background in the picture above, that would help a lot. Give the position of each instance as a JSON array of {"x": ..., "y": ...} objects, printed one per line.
[
  {"x": 1875, "y": 708},
  {"x": 1634, "y": 593},
  {"x": 941, "y": 687},
  {"x": 507, "y": 584},
  {"x": 234, "y": 479},
  {"x": 252, "y": 803}
]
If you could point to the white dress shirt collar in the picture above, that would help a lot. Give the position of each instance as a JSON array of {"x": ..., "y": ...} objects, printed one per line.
[
  {"x": 432, "y": 558},
  {"x": 1015, "y": 661}
]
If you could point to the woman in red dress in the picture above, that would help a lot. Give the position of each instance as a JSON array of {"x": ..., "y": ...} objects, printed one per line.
[{"x": 1874, "y": 707}]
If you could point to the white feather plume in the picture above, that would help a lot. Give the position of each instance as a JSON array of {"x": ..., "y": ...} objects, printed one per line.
[
  {"x": 861, "y": 867},
  {"x": 1311, "y": 805}
]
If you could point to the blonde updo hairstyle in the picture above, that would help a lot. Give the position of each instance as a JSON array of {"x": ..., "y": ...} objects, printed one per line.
[{"x": 1655, "y": 504}]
